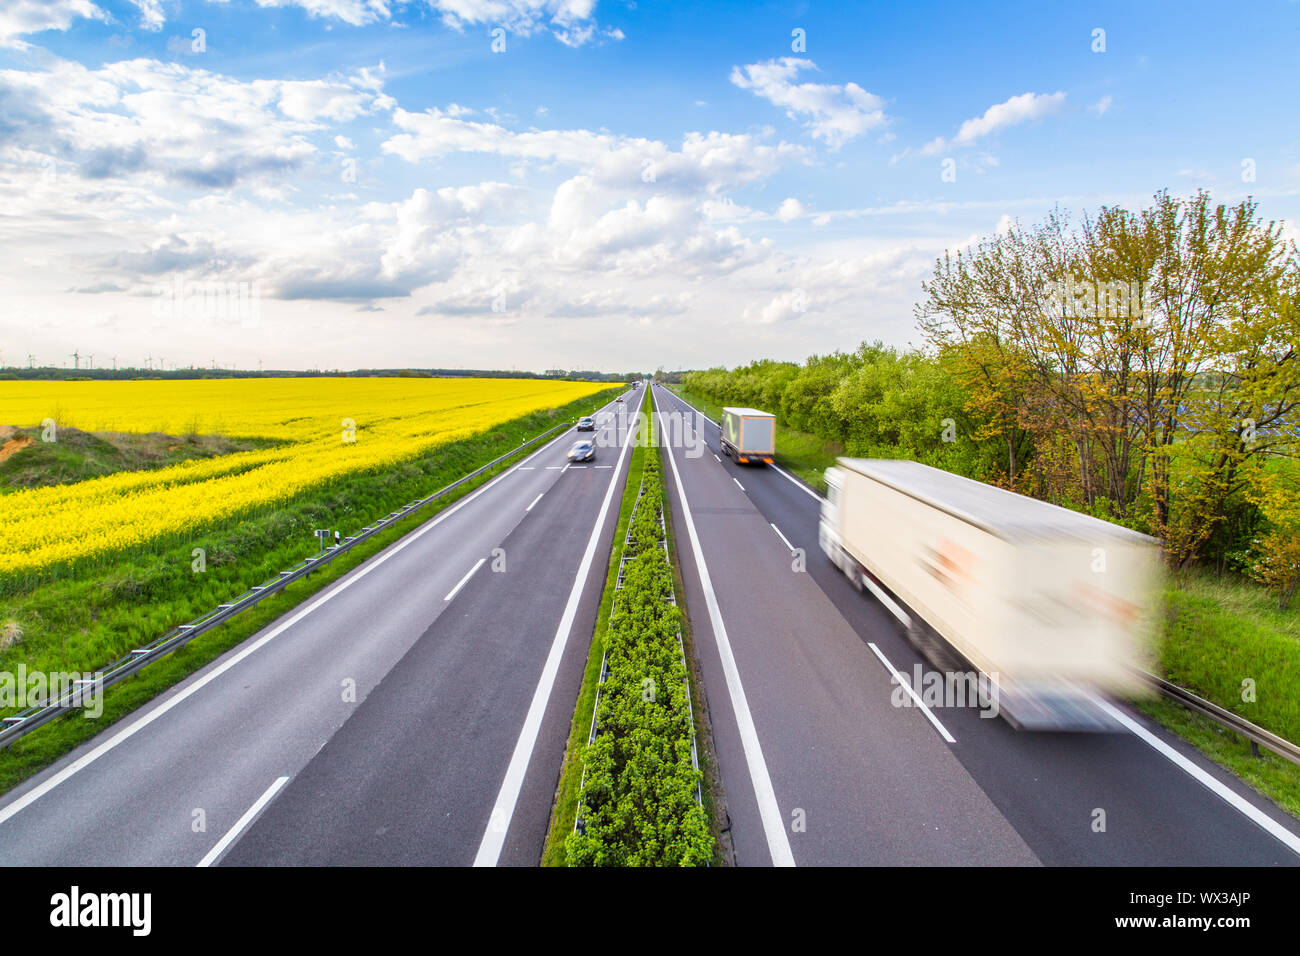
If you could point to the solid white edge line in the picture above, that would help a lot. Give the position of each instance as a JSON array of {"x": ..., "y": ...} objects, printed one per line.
[
  {"x": 738, "y": 484},
  {"x": 503, "y": 809},
  {"x": 31, "y": 796},
  {"x": 781, "y": 536},
  {"x": 535, "y": 500},
  {"x": 211, "y": 856},
  {"x": 1242, "y": 806},
  {"x": 678, "y": 398},
  {"x": 898, "y": 678},
  {"x": 768, "y": 809},
  {"x": 468, "y": 574},
  {"x": 717, "y": 459},
  {"x": 799, "y": 484}
]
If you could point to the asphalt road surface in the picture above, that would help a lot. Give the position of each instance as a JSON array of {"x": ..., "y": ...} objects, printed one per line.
[{"x": 820, "y": 768}]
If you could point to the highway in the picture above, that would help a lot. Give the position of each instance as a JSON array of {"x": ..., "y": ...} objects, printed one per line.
[
  {"x": 413, "y": 712},
  {"x": 820, "y": 768}
]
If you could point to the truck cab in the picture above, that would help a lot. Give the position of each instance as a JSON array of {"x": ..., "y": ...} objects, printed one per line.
[{"x": 828, "y": 528}]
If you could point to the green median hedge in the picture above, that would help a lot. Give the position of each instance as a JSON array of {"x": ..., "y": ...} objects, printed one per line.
[{"x": 638, "y": 803}]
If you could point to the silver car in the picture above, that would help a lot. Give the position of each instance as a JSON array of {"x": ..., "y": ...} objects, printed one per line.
[{"x": 582, "y": 451}]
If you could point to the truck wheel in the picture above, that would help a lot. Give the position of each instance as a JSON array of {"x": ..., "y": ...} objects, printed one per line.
[{"x": 932, "y": 647}]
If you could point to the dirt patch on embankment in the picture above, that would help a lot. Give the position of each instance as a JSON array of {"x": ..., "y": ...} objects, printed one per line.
[{"x": 13, "y": 444}]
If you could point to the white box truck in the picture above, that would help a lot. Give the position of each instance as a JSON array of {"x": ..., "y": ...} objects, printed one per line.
[
  {"x": 1054, "y": 608},
  {"x": 748, "y": 435}
]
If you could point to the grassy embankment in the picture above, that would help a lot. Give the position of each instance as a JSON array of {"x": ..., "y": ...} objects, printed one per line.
[
  {"x": 1217, "y": 632},
  {"x": 28, "y": 462},
  {"x": 81, "y": 623}
]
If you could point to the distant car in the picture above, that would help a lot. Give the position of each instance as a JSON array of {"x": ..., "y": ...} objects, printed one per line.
[
  {"x": 582, "y": 451},
  {"x": 586, "y": 424}
]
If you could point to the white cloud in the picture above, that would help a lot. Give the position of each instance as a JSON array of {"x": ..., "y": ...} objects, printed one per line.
[
  {"x": 712, "y": 162},
  {"x": 167, "y": 122},
  {"x": 1101, "y": 106},
  {"x": 19, "y": 17},
  {"x": 165, "y": 170},
  {"x": 834, "y": 114},
  {"x": 423, "y": 220},
  {"x": 1016, "y": 110},
  {"x": 338, "y": 101},
  {"x": 356, "y": 13},
  {"x": 151, "y": 14},
  {"x": 569, "y": 21}
]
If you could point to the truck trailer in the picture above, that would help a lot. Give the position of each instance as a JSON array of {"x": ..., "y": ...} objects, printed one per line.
[
  {"x": 1052, "y": 608},
  {"x": 748, "y": 435}
]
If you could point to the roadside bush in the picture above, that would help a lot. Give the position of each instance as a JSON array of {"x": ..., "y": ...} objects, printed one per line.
[{"x": 638, "y": 803}]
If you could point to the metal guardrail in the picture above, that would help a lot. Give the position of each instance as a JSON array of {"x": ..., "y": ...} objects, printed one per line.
[
  {"x": 1258, "y": 736},
  {"x": 25, "y": 721}
]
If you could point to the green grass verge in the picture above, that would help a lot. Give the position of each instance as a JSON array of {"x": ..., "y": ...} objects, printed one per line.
[
  {"x": 143, "y": 609},
  {"x": 804, "y": 455},
  {"x": 564, "y": 810},
  {"x": 1219, "y": 634},
  {"x": 1225, "y": 640}
]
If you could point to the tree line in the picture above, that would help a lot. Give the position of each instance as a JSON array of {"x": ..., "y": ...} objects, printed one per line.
[{"x": 1139, "y": 366}]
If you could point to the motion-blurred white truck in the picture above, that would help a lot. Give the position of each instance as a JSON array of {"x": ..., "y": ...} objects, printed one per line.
[
  {"x": 1053, "y": 607},
  {"x": 748, "y": 435}
]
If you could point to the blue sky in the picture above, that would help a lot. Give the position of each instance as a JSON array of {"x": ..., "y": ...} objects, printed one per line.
[{"x": 622, "y": 186}]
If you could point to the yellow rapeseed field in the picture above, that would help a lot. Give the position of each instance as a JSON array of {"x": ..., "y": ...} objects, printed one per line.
[{"x": 329, "y": 426}]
